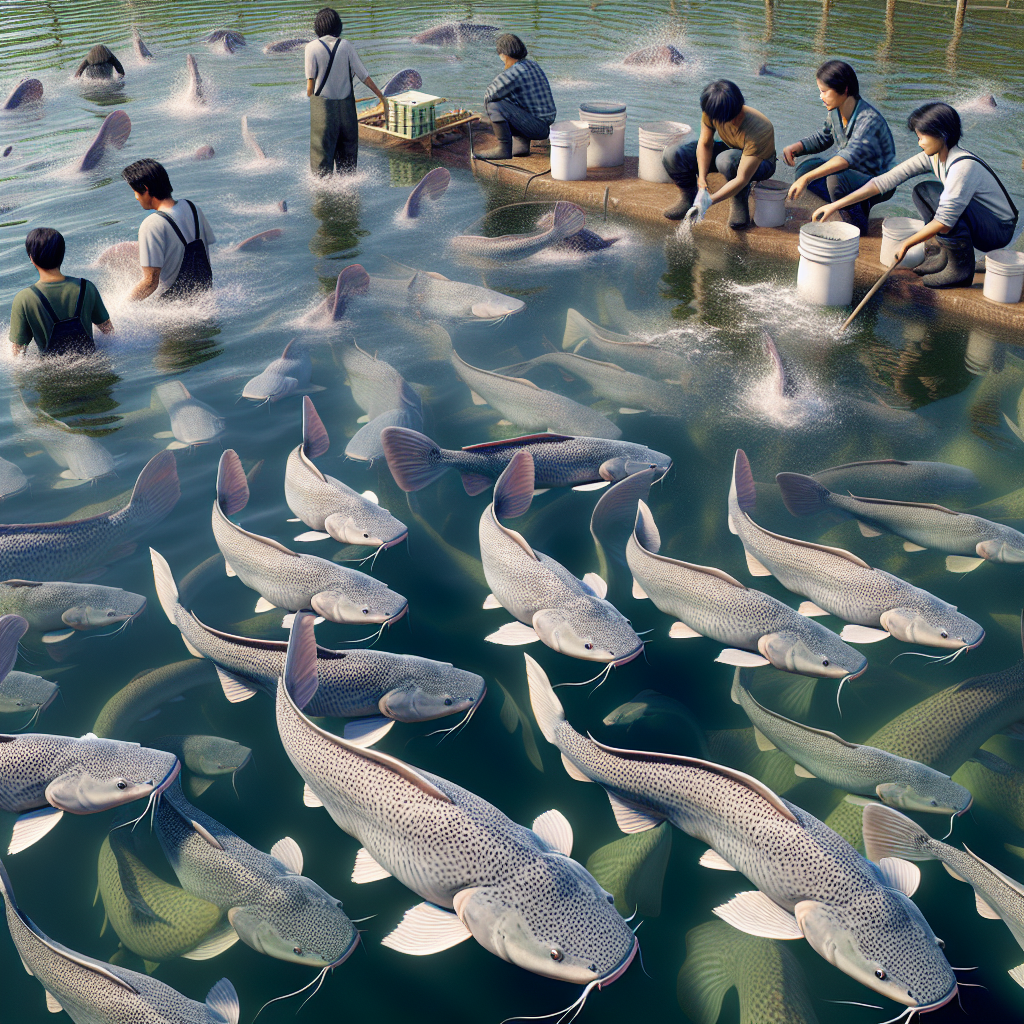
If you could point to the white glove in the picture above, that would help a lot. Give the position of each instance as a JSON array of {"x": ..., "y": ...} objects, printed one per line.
[{"x": 701, "y": 204}]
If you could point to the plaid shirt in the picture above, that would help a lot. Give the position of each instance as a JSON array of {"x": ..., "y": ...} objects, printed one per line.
[
  {"x": 525, "y": 85},
  {"x": 865, "y": 142}
]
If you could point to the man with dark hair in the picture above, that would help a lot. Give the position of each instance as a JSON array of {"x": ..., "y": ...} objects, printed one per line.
[
  {"x": 745, "y": 153},
  {"x": 58, "y": 311},
  {"x": 174, "y": 240},
  {"x": 333, "y": 127},
  {"x": 99, "y": 62},
  {"x": 862, "y": 138},
  {"x": 518, "y": 102}
]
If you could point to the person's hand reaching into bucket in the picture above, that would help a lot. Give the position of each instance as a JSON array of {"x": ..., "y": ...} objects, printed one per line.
[
  {"x": 823, "y": 211},
  {"x": 796, "y": 190}
]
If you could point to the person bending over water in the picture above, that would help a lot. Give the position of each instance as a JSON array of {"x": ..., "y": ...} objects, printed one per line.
[
  {"x": 333, "y": 127},
  {"x": 968, "y": 208},
  {"x": 174, "y": 239},
  {"x": 518, "y": 102},
  {"x": 99, "y": 62},
  {"x": 745, "y": 153},
  {"x": 57, "y": 311},
  {"x": 862, "y": 139}
]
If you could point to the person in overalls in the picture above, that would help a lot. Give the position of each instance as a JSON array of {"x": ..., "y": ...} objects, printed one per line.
[
  {"x": 58, "y": 311},
  {"x": 968, "y": 207},
  {"x": 331, "y": 62},
  {"x": 100, "y": 62},
  {"x": 174, "y": 239}
]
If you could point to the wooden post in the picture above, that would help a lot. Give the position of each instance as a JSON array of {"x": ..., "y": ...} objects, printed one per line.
[{"x": 958, "y": 21}]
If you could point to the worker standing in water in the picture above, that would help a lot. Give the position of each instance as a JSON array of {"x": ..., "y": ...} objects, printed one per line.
[{"x": 331, "y": 63}]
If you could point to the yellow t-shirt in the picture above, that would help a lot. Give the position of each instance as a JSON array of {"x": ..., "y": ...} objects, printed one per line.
[{"x": 755, "y": 135}]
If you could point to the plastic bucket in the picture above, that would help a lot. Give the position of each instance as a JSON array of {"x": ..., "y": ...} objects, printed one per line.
[
  {"x": 655, "y": 138},
  {"x": 1004, "y": 275},
  {"x": 894, "y": 231},
  {"x": 607, "y": 123},
  {"x": 569, "y": 141},
  {"x": 828, "y": 257},
  {"x": 770, "y": 203}
]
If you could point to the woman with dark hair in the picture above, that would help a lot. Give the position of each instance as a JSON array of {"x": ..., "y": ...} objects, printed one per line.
[
  {"x": 331, "y": 63},
  {"x": 968, "y": 208},
  {"x": 863, "y": 141},
  {"x": 99, "y": 62},
  {"x": 518, "y": 102}
]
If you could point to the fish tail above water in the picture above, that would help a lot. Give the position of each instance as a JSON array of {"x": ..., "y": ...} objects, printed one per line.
[
  {"x": 141, "y": 49},
  {"x": 353, "y": 280},
  {"x": 114, "y": 132},
  {"x": 195, "y": 80},
  {"x": 568, "y": 220},
  {"x": 414, "y": 460},
  {"x": 431, "y": 186},
  {"x": 27, "y": 91},
  {"x": 803, "y": 495},
  {"x": 403, "y": 82},
  {"x": 232, "y": 486},
  {"x": 315, "y": 441}
]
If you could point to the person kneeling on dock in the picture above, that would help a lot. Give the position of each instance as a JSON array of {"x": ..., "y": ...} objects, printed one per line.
[
  {"x": 745, "y": 153},
  {"x": 864, "y": 144},
  {"x": 518, "y": 102},
  {"x": 968, "y": 208}
]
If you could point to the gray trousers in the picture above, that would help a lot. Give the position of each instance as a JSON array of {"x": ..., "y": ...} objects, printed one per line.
[
  {"x": 835, "y": 186},
  {"x": 680, "y": 163},
  {"x": 977, "y": 225},
  {"x": 521, "y": 121},
  {"x": 333, "y": 135}
]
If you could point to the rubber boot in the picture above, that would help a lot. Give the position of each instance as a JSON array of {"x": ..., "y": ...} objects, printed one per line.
[
  {"x": 502, "y": 148},
  {"x": 959, "y": 269},
  {"x": 739, "y": 210},
  {"x": 520, "y": 145},
  {"x": 933, "y": 263},
  {"x": 687, "y": 196}
]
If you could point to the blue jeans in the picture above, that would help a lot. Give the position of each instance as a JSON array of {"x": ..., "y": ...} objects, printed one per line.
[
  {"x": 680, "y": 164},
  {"x": 521, "y": 121},
  {"x": 836, "y": 186},
  {"x": 977, "y": 225}
]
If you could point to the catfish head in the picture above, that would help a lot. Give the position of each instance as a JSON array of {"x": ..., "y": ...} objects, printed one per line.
[
  {"x": 817, "y": 652},
  {"x": 371, "y": 527},
  {"x": 590, "y": 629},
  {"x": 999, "y": 550},
  {"x": 930, "y": 792},
  {"x": 555, "y": 920},
  {"x": 374, "y": 603},
  {"x": 882, "y": 940},
  {"x": 425, "y": 695},
  {"x": 107, "y": 606},
  {"x": 935, "y": 624}
]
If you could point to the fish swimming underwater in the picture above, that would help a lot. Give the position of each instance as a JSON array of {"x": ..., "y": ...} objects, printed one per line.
[
  {"x": 20, "y": 691},
  {"x": 83, "y": 456},
  {"x": 524, "y": 404},
  {"x": 633, "y": 869},
  {"x": 272, "y": 906},
  {"x": 58, "y": 610},
  {"x": 568, "y": 220},
  {"x": 285, "y": 579},
  {"x": 113, "y": 132},
  {"x": 709, "y": 602},
  {"x": 204, "y": 759},
  {"x": 195, "y": 81},
  {"x": 358, "y": 683},
  {"x": 92, "y": 992},
  {"x": 810, "y": 882},
  {"x": 77, "y": 547},
  {"x": 326, "y": 505},
  {"x": 969, "y": 540},
  {"x": 855, "y": 767},
  {"x": 12, "y": 480},
  {"x": 192, "y": 422},
  {"x": 513, "y": 889},
  {"x": 649, "y": 358},
  {"x": 42, "y": 776},
  {"x": 839, "y": 583},
  {"x": 453, "y": 33},
  {"x": 559, "y": 460},
  {"x": 569, "y": 615},
  {"x": 906, "y": 481},
  {"x": 289, "y": 374}
]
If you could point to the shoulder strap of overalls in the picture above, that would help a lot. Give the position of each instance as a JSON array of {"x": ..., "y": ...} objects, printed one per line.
[
  {"x": 323, "y": 81},
  {"x": 971, "y": 156},
  {"x": 81, "y": 299},
  {"x": 170, "y": 220},
  {"x": 195, "y": 217},
  {"x": 45, "y": 303}
]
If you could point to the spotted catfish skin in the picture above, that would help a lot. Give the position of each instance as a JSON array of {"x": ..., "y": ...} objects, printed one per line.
[
  {"x": 840, "y": 902},
  {"x": 559, "y": 460},
  {"x": 93, "y": 992},
  {"x": 512, "y": 891}
]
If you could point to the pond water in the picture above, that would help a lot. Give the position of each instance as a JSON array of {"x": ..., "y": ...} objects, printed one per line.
[{"x": 904, "y": 383}]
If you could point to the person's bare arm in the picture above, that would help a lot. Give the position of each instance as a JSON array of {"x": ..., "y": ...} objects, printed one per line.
[
  {"x": 106, "y": 327},
  {"x": 836, "y": 165},
  {"x": 705, "y": 154},
  {"x": 744, "y": 172},
  {"x": 372, "y": 86},
  {"x": 146, "y": 286},
  {"x": 309, "y": 86}
]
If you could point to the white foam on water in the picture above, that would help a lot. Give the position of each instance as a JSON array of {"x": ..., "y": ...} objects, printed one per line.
[{"x": 779, "y": 308}]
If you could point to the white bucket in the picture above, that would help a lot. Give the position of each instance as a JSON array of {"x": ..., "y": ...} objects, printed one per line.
[
  {"x": 569, "y": 141},
  {"x": 828, "y": 257},
  {"x": 1004, "y": 275},
  {"x": 896, "y": 230},
  {"x": 607, "y": 123},
  {"x": 655, "y": 138},
  {"x": 770, "y": 203}
]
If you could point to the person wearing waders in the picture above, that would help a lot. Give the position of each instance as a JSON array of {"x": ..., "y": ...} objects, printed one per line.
[
  {"x": 331, "y": 62},
  {"x": 518, "y": 102},
  {"x": 968, "y": 207},
  {"x": 100, "y": 62},
  {"x": 58, "y": 311},
  {"x": 174, "y": 239}
]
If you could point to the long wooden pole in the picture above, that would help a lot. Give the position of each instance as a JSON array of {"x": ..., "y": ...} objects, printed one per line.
[
  {"x": 863, "y": 302},
  {"x": 958, "y": 21}
]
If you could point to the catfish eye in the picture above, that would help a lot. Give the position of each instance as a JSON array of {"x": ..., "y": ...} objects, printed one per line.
[
  {"x": 611, "y": 898},
  {"x": 297, "y": 950},
  {"x": 110, "y": 615},
  {"x": 880, "y": 975},
  {"x": 366, "y": 535},
  {"x": 944, "y": 635},
  {"x": 447, "y": 702},
  {"x": 942, "y": 944},
  {"x": 366, "y": 611},
  {"x": 122, "y": 785},
  {"x": 588, "y": 647},
  {"x": 824, "y": 662},
  {"x": 556, "y": 954}
]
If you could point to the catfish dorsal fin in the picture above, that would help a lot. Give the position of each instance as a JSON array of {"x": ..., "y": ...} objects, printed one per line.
[
  {"x": 315, "y": 441},
  {"x": 904, "y": 504},
  {"x": 645, "y": 538},
  {"x": 695, "y": 762},
  {"x": 743, "y": 482},
  {"x": 517, "y": 442},
  {"x": 232, "y": 487}
]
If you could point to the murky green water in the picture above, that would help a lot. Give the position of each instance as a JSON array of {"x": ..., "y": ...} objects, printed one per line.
[{"x": 849, "y": 402}]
